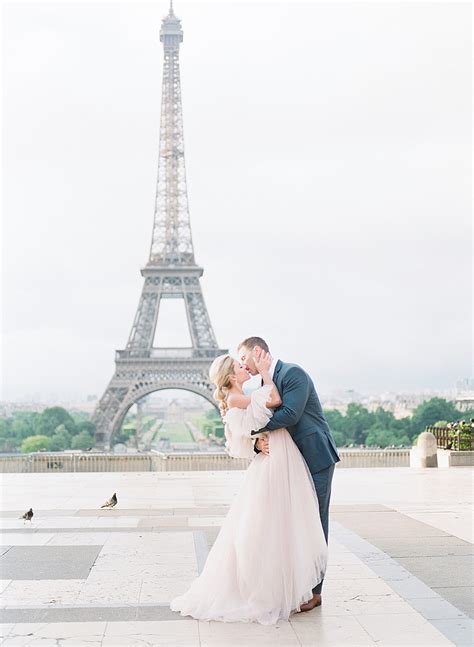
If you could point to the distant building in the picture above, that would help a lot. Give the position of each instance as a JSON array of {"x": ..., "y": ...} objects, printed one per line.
[{"x": 465, "y": 394}]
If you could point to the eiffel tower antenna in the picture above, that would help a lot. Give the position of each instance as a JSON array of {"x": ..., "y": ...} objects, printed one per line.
[{"x": 170, "y": 273}]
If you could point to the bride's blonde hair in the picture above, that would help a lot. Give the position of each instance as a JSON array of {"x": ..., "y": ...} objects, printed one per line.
[{"x": 219, "y": 374}]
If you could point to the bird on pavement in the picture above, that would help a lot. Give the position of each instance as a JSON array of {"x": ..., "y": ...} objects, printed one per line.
[
  {"x": 28, "y": 515},
  {"x": 110, "y": 503}
]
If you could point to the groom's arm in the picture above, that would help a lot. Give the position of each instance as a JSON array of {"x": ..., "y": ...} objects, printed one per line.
[{"x": 294, "y": 393}]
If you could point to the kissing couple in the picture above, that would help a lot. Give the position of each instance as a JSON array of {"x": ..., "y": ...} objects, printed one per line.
[{"x": 270, "y": 556}]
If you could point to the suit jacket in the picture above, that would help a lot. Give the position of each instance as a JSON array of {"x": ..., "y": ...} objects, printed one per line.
[{"x": 301, "y": 413}]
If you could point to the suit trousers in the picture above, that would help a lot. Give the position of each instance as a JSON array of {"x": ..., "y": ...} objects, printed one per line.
[{"x": 322, "y": 483}]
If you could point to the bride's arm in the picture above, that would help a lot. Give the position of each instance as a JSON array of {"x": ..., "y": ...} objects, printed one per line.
[
  {"x": 243, "y": 401},
  {"x": 237, "y": 400}
]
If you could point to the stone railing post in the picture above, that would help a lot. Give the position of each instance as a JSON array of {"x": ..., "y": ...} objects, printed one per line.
[{"x": 425, "y": 454}]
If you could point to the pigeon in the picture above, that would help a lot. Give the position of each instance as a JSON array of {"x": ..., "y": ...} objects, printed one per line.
[
  {"x": 111, "y": 502},
  {"x": 28, "y": 515}
]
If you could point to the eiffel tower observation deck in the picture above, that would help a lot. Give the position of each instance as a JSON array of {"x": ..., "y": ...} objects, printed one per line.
[{"x": 170, "y": 273}]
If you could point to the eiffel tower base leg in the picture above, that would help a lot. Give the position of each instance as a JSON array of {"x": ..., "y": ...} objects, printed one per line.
[{"x": 133, "y": 380}]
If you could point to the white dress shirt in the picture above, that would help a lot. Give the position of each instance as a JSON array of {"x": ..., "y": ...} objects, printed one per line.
[
  {"x": 271, "y": 370},
  {"x": 272, "y": 367}
]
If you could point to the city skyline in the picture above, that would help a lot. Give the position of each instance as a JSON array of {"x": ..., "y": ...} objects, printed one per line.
[
  {"x": 336, "y": 226},
  {"x": 333, "y": 395}
]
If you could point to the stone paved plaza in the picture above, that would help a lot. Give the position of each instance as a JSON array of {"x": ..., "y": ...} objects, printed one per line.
[{"x": 400, "y": 570}]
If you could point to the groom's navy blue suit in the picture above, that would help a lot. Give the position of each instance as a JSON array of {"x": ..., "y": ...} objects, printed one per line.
[{"x": 301, "y": 413}]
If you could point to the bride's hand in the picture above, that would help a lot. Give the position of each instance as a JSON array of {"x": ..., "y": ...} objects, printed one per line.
[
  {"x": 263, "y": 444},
  {"x": 263, "y": 363}
]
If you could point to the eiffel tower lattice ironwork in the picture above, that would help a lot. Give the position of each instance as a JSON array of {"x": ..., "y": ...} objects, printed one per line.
[{"x": 171, "y": 272}]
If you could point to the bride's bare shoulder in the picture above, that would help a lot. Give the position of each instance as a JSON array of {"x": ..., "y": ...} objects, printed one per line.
[{"x": 238, "y": 401}]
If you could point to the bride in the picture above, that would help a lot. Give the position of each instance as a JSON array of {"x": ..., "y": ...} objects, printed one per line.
[{"x": 270, "y": 552}]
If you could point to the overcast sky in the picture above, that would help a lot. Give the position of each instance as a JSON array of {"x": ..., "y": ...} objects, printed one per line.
[{"x": 328, "y": 164}]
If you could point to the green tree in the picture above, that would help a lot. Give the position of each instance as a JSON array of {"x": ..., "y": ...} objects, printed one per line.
[
  {"x": 338, "y": 438},
  {"x": 51, "y": 418},
  {"x": 215, "y": 421},
  {"x": 210, "y": 423},
  {"x": 384, "y": 418},
  {"x": 5, "y": 426},
  {"x": 335, "y": 420},
  {"x": 60, "y": 440},
  {"x": 380, "y": 436},
  {"x": 213, "y": 414},
  {"x": 7, "y": 444},
  {"x": 430, "y": 412},
  {"x": 86, "y": 425},
  {"x": 83, "y": 440},
  {"x": 35, "y": 443},
  {"x": 80, "y": 416},
  {"x": 22, "y": 426},
  {"x": 358, "y": 422},
  {"x": 403, "y": 426}
]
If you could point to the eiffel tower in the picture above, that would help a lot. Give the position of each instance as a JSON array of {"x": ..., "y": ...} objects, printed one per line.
[{"x": 171, "y": 273}]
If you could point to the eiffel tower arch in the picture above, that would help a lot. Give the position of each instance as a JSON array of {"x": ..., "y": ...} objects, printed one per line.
[{"x": 171, "y": 273}]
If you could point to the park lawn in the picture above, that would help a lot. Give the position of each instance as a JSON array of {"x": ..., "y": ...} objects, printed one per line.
[
  {"x": 177, "y": 432},
  {"x": 147, "y": 422}
]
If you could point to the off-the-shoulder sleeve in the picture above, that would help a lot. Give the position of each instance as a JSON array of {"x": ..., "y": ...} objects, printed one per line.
[
  {"x": 238, "y": 444},
  {"x": 239, "y": 423},
  {"x": 257, "y": 415}
]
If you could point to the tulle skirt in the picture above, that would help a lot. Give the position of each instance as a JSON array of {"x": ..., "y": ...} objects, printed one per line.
[{"x": 270, "y": 552}]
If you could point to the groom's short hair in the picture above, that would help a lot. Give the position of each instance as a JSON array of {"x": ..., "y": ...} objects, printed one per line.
[{"x": 251, "y": 342}]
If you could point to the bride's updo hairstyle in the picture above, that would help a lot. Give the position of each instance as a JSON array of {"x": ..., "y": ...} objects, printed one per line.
[{"x": 219, "y": 374}]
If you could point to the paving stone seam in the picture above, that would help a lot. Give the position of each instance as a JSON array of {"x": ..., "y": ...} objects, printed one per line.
[
  {"x": 102, "y": 529},
  {"x": 94, "y": 605},
  {"x": 459, "y": 630}
]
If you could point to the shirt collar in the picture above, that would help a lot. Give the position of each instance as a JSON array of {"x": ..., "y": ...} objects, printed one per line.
[{"x": 272, "y": 367}]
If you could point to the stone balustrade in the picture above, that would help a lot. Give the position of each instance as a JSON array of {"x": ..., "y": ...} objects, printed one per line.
[{"x": 155, "y": 461}]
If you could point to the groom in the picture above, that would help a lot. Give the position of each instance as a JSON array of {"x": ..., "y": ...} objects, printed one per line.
[{"x": 301, "y": 413}]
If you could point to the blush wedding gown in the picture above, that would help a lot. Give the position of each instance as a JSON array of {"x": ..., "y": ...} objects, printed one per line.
[{"x": 270, "y": 552}]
